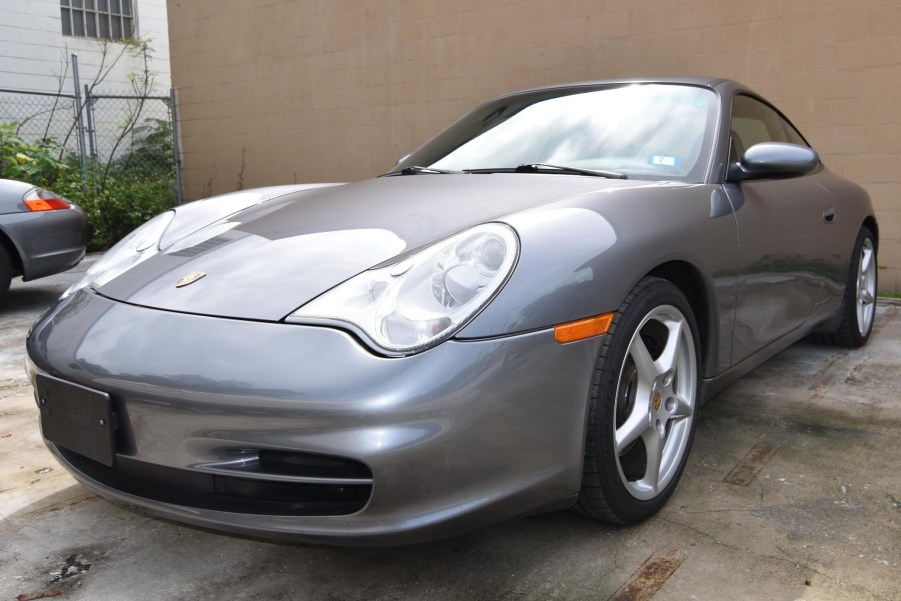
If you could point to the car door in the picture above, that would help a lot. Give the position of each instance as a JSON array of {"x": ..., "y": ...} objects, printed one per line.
[{"x": 782, "y": 236}]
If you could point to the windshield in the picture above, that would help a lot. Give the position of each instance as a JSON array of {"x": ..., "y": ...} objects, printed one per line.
[{"x": 646, "y": 131}]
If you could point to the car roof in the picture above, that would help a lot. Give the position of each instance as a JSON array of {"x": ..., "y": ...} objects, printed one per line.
[{"x": 721, "y": 85}]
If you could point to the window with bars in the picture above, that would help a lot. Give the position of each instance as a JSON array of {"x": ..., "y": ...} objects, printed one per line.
[{"x": 101, "y": 19}]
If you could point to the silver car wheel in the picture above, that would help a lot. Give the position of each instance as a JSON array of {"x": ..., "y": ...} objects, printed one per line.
[
  {"x": 866, "y": 287},
  {"x": 655, "y": 402},
  {"x": 858, "y": 308}
]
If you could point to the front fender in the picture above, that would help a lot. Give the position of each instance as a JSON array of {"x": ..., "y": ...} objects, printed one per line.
[{"x": 582, "y": 257}]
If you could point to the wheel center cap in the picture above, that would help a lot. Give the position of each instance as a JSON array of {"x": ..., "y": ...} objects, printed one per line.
[{"x": 656, "y": 399}]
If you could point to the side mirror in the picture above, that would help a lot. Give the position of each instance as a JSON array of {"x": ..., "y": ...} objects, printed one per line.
[{"x": 769, "y": 160}]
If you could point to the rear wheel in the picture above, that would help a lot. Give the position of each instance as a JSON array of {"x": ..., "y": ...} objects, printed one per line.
[
  {"x": 859, "y": 303},
  {"x": 643, "y": 406}
]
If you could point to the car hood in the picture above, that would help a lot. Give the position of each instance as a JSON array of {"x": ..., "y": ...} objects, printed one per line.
[{"x": 264, "y": 262}]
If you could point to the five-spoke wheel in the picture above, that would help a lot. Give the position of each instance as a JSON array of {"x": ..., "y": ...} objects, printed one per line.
[
  {"x": 641, "y": 420},
  {"x": 866, "y": 286},
  {"x": 655, "y": 402}
]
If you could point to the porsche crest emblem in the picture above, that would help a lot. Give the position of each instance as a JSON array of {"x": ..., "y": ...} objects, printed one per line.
[
  {"x": 189, "y": 279},
  {"x": 655, "y": 400}
]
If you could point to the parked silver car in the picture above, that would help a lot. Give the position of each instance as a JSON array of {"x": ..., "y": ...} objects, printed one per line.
[
  {"x": 526, "y": 313},
  {"x": 41, "y": 233}
]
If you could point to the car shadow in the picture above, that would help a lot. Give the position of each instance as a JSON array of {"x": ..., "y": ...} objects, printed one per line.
[{"x": 32, "y": 298}]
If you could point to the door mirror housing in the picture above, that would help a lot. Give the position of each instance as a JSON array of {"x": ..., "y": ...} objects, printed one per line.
[{"x": 770, "y": 160}]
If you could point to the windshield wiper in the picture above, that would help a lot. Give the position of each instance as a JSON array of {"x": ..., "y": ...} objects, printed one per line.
[
  {"x": 416, "y": 169},
  {"x": 544, "y": 168},
  {"x": 524, "y": 168}
]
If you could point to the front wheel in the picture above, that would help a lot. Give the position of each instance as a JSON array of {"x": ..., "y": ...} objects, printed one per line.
[{"x": 643, "y": 405}]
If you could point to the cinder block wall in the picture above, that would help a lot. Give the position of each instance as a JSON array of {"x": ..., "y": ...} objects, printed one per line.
[{"x": 287, "y": 91}]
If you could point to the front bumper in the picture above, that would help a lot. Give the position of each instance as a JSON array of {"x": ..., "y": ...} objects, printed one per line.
[{"x": 463, "y": 435}]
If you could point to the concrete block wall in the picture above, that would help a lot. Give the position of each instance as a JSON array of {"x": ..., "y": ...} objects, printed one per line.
[{"x": 282, "y": 91}]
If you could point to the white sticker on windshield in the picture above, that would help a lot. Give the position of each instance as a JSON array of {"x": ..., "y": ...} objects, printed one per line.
[{"x": 662, "y": 159}]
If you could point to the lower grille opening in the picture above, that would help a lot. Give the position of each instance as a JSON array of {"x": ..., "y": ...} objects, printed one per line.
[
  {"x": 289, "y": 464},
  {"x": 228, "y": 493},
  {"x": 320, "y": 466}
]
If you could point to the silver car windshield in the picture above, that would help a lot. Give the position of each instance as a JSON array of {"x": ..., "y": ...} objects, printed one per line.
[{"x": 645, "y": 131}]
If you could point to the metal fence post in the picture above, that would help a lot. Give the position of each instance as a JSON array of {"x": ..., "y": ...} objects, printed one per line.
[
  {"x": 79, "y": 123},
  {"x": 89, "y": 103},
  {"x": 176, "y": 144}
]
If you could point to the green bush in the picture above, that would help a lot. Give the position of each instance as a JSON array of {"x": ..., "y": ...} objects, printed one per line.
[
  {"x": 117, "y": 205},
  {"x": 33, "y": 163},
  {"x": 118, "y": 196},
  {"x": 153, "y": 153}
]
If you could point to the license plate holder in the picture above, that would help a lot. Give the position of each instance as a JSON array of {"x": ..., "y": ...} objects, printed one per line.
[{"x": 77, "y": 418}]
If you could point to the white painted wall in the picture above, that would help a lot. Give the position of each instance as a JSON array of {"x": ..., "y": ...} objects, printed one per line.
[{"x": 34, "y": 51}]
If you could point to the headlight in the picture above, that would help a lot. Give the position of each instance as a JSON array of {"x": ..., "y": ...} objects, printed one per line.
[
  {"x": 422, "y": 300},
  {"x": 134, "y": 248}
]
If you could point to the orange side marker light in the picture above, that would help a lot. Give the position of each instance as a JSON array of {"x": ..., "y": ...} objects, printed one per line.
[{"x": 583, "y": 328}]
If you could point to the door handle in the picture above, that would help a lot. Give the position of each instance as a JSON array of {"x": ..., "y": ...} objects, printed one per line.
[{"x": 829, "y": 215}]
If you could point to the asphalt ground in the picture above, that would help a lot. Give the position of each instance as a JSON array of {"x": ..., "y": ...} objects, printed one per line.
[{"x": 792, "y": 491}]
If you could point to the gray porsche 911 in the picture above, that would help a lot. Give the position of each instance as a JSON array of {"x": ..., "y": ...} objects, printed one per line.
[
  {"x": 41, "y": 233},
  {"x": 526, "y": 313}
]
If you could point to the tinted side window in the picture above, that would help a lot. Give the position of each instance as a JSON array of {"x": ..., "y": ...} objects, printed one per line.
[{"x": 754, "y": 122}]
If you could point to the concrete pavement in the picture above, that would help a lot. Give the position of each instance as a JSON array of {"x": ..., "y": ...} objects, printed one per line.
[{"x": 792, "y": 492}]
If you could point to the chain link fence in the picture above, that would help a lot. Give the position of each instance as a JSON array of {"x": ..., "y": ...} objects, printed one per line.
[
  {"x": 114, "y": 155},
  {"x": 40, "y": 115},
  {"x": 118, "y": 133},
  {"x": 132, "y": 133}
]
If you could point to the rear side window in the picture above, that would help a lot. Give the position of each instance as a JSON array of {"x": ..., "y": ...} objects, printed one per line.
[{"x": 754, "y": 122}]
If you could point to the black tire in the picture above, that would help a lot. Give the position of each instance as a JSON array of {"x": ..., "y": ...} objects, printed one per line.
[
  {"x": 615, "y": 484},
  {"x": 859, "y": 301},
  {"x": 6, "y": 271}
]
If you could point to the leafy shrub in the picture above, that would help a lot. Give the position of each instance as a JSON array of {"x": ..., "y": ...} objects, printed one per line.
[
  {"x": 117, "y": 205},
  {"x": 153, "y": 153},
  {"x": 34, "y": 163},
  {"x": 118, "y": 196}
]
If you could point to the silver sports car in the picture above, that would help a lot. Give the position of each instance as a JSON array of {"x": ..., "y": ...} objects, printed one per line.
[
  {"x": 524, "y": 314},
  {"x": 41, "y": 233}
]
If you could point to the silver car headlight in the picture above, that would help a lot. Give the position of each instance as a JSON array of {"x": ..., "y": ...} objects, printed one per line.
[
  {"x": 134, "y": 248},
  {"x": 424, "y": 299}
]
